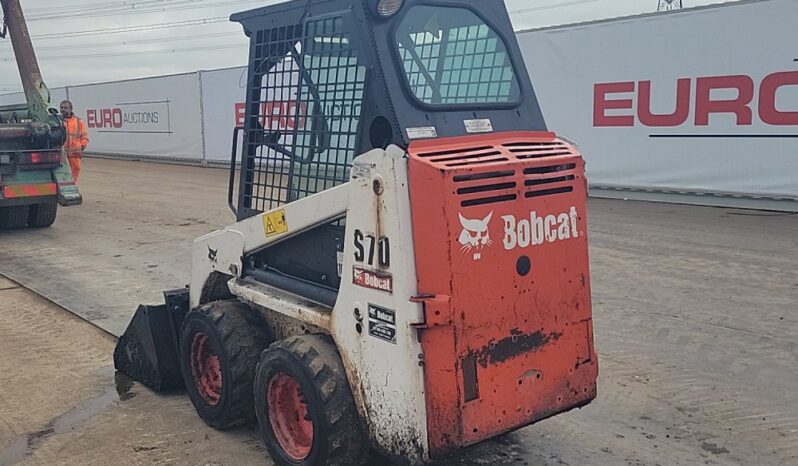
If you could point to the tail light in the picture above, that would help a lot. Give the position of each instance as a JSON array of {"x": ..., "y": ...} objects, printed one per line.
[{"x": 38, "y": 160}]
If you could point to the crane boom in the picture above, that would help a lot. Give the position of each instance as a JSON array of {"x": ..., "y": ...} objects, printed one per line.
[{"x": 37, "y": 94}]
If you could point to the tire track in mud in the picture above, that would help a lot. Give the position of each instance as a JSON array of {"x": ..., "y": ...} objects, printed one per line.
[
  {"x": 61, "y": 403},
  {"x": 50, "y": 364},
  {"x": 718, "y": 395}
]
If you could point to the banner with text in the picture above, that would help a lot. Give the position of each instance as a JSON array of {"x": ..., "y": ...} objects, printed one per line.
[
  {"x": 678, "y": 102},
  {"x": 156, "y": 117}
]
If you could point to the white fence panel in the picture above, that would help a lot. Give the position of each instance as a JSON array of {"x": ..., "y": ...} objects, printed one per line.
[
  {"x": 155, "y": 117},
  {"x": 702, "y": 101},
  {"x": 223, "y": 97}
]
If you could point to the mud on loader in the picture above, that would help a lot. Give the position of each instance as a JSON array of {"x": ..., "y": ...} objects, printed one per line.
[{"x": 409, "y": 268}]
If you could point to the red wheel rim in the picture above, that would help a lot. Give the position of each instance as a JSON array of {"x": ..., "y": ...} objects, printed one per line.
[
  {"x": 289, "y": 417},
  {"x": 206, "y": 369}
]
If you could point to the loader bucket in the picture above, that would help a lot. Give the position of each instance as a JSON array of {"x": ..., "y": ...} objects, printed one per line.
[{"x": 148, "y": 350}]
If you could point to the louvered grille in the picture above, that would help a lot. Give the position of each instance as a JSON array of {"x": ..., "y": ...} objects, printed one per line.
[{"x": 547, "y": 167}]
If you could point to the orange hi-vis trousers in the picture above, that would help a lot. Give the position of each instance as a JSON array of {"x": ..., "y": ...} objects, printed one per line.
[{"x": 74, "y": 164}]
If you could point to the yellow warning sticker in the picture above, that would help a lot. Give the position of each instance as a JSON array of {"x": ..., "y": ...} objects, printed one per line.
[{"x": 274, "y": 223}]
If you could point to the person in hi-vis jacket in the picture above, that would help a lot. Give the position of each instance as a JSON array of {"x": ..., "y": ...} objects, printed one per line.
[{"x": 77, "y": 138}]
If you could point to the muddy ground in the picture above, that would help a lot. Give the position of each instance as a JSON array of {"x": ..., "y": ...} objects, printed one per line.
[
  {"x": 62, "y": 403},
  {"x": 696, "y": 322}
]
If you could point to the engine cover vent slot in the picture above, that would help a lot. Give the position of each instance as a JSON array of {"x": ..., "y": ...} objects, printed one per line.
[
  {"x": 549, "y": 169},
  {"x": 483, "y": 176},
  {"x": 444, "y": 153},
  {"x": 536, "y": 150},
  {"x": 549, "y": 192},
  {"x": 558, "y": 179},
  {"x": 480, "y": 161},
  {"x": 486, "y": 188},
  {"x": 466, "y": 157},
  {"x": 489, "y": 200}
]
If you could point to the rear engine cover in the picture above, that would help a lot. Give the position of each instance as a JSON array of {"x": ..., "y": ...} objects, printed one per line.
[{"x": 500, "y": 233}]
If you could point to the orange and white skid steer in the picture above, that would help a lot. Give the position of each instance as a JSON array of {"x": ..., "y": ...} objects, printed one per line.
[{"x": 409, "y": 268}]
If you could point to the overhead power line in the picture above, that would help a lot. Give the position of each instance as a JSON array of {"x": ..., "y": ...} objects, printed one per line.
[
  {"x": 551, "y": 6},
  {"x": 144, "y": 27},
  {"x": 138, "y": 41},
  {"x": 127, "y": 54},
  {"x": 127, "y": 11},
  {"x": 102, "y": 6}
]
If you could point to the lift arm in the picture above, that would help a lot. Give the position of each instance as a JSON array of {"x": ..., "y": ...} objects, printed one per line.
[
  {"x": 224, "y": 251},
  {"x": 36, "y": 92}
]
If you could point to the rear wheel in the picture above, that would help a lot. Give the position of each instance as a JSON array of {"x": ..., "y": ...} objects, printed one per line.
[
  {"x": 219, "y": 349},
  {"x": 13, "y": 217},
  {"x": 42, "y": 215},
  {"x": 305, "y": 408}
]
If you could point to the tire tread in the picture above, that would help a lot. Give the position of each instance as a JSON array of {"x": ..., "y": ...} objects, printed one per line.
[
  {"x": 244, "y": 338},
  {"x": 346, "y": 442},
  {"x": 42, "y": 215},
  {"x": 14, "y": 217}
]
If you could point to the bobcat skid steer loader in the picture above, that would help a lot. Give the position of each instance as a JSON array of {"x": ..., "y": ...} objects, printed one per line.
[{"x": 409, "y": 268}]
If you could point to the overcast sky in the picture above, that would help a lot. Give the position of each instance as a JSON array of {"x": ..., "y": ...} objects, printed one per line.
[{"x": 87, "y": 41}]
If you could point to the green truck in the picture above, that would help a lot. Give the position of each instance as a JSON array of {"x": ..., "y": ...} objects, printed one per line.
[{"x": 35, "y": 177}]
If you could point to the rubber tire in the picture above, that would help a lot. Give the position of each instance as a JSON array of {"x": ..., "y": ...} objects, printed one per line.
[
  {"x": 13, "y": 217},
  {"x": 313, "y": 360},
  {"x": 238, "y": 336},
  {"x": 42, "y": 215}
]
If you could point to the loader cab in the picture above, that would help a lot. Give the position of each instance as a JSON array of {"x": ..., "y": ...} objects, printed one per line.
[{"x": 329, "y": 80}]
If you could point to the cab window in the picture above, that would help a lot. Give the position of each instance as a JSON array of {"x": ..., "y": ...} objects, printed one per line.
[{"x": 450, "y": 56}]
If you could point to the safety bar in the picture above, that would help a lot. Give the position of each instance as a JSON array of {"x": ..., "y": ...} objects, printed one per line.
[{"x": 233, "y": 159}]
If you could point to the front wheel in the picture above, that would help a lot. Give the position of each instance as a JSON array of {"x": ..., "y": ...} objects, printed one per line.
[
  {"x": 304, "y": 404},
  {"x": 219, "y": 349}
]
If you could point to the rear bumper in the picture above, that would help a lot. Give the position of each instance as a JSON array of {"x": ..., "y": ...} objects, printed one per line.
[
  {"x": 30, "y": 200},
  {"x": 66, "y": 194},
  {"x": 16, "y": 191}
]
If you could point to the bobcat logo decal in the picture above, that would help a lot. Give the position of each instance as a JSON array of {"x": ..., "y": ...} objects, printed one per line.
[{"x": 475, "y": 235}]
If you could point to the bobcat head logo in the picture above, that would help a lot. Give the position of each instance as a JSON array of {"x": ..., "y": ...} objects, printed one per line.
[
  {"x": 212, "y": 253},
  {"x": 475, "y": 235}
]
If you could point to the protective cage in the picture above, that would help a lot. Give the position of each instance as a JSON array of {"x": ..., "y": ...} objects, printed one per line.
[
  {"x": 331, "y": 79},
  {"x": 305, "y": 95}
]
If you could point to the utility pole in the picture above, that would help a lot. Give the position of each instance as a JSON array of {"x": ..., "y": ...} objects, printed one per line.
[{"x": 668, "y": 5}]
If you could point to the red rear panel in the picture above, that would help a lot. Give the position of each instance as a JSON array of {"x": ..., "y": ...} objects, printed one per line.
[{"x": 500, "y": 232}]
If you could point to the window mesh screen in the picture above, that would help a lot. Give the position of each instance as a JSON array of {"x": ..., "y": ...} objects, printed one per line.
[
  {"x": 307, "y": 94},
  {"x": 450, "y": 56}
]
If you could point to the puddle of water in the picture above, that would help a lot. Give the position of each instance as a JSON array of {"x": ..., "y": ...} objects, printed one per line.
[
  {"x": 14, "y": 453},
  {"x": 76, "y": 417},
  {"x": 24, "y": 445}
]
